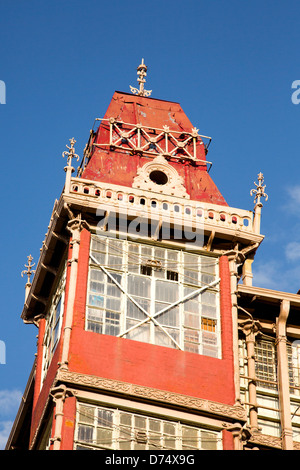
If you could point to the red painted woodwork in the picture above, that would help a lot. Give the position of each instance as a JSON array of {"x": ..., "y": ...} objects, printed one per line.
[
  {"x": 119, "y": 167},
  {"x": 68, "y": 427}
]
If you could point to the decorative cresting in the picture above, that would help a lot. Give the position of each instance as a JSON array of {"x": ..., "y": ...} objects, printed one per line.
[
  {"x": 29, "y": 271},
  {"x": 160, "y": 177},
  {"x": 259, "y": 193},
  {"x": 153, "y": 141},
  {"x": 142, "y": 73},
  {"x": 69, "y": 169}
]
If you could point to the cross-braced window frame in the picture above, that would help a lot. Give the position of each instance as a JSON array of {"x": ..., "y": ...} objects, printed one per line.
[{"x": 154, "y": 294}]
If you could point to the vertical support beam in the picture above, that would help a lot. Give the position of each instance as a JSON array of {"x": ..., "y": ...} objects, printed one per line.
[
  {"x": 75, "y": 226},
  {"x": 250, "y": 329},
  {"x": 232, "y": 258},
  {"x": 247, "y": 275},
  {"x": 59, "y": 395},
  {"x": 283, "y": 376}
]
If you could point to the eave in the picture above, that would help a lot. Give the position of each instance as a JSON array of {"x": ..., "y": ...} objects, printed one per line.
[{"x": 51, "y": 255}]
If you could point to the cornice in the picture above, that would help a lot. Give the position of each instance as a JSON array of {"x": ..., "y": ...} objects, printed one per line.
[
  {"x": 224, "y": 411},
  {"x": 269, "y": 295}
]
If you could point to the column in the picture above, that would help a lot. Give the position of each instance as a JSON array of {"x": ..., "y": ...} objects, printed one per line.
[
  {"x": 250, "y": 329},
  {"x": 75, "y": 226},
  {"x": 283, "y": 376}
]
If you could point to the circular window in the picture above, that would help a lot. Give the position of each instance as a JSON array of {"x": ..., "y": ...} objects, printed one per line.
[{"x": 158, "y": 177}]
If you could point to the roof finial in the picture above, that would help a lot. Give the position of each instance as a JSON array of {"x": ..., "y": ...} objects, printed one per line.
[
  {"x": 69, "y": 169},
  {"x": 259, "y": 193},
  {"x": 71, "y": 154},
  {"x": 142, "y": 73},
  {"x": 28, "y": 272}
]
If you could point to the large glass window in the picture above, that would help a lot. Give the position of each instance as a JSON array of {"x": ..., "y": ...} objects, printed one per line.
[
  {"x": 53, "y": 323},
  {"x": 152, "y": 294},
  {"x": 106, "y": 428},
  {"x": 266, "y": 364}
]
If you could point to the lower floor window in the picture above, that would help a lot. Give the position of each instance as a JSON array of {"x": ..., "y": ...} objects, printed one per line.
[{"x": 105, "y": 428}]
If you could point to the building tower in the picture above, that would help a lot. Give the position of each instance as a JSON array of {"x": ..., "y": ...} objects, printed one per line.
[{"x": 137, "y": 299}]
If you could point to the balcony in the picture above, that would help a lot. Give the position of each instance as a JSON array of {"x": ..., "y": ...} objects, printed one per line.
[{"x": 223, "y": 221}]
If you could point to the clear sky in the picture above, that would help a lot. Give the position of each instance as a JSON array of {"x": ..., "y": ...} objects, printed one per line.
[{"x": 230, "y": 64}]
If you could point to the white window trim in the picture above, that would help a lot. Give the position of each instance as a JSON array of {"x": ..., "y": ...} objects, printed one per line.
[{"x": 179, "y": 423}]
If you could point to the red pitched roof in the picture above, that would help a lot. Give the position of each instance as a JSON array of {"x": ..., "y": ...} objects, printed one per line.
[{"x": 117, "y": 166}]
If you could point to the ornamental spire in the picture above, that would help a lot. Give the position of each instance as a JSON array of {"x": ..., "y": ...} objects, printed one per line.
[
  {"x": 260, "y": 190},
  {"x": 259, "y": 193},
  {"x": 142, "y": 73},
  {"x": 28, "y": 272},
  {"x": 69, "y": 169}
]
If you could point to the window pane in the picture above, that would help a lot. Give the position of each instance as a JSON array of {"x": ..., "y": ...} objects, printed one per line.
[
  {"x": 208, "y": 440},
  {"x": 191, "y": 340},
  {"x": 105, "y": 418},
  {"x": 95, "y": 314},
  {"x": 85, "y": 433},
  {"x": 104, "y": 437},
  {"x": 146, "y": 251},
  {"x": 190, "y": 438},
  {"x": 86, "y": 414},
  {"x": 125, "y": 418},
  {"x": 97, "y": 287},
  {"x": 134, "y": 312},
  {"x": 140, "y": 333},
  {"x": 166, "y": 291},
  {"x": 154, "y": 425},
  {"x": 208, "y": 297},
  {"x": 113, "y": 304},
  {"x": 125, "y": 438},
  {"x": 191, "y": 320},
  {"x": 100, "y": 257},
  {"x": 96, "y": 300},
  {"x": 97, "y": 275},
  {"x": 161, "y": 339},
  {"x": 115, "y": 246},
  {"x": 168, "y": 318},
  {"x": 139, "y": 285},
  {"x": 154, "y": 441},
  {"x": 139, "y": 422},
  {"x": 95, "y": 327},
  {"x": 112, "y": 323},
  {"x": 115, "y": 262},
  {"x": 98, "y": 244}
]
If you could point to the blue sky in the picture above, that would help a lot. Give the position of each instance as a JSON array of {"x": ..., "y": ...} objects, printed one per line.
[{"x": 229, "y": 64}]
